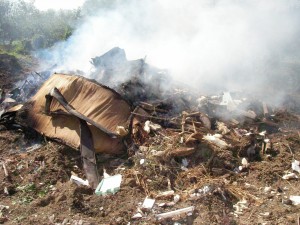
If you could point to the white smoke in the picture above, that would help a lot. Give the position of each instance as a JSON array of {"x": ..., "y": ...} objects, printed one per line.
[{"x": 211, "y": 44}]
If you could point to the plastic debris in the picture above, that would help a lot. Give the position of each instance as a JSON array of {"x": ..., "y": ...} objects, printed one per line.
[
  {"x": 295, "y": 199},
  {"x": 109, "y": 185},
  {"x": 175, "y": 213},
  {"x": 176, "y": 198},
  {"x": 245, "y": 163},
  {"x": 185, "y": 162},
  {"x": 215, "y": 139},
  {"x": 137, "y": 216},
  {"x": 142, "y": 161},
  {"x": 290, "y": 176},
  {"x": 148, "y": 203},
  {"x": 165, "y": 194},
  {"x": 265, "y": 214},
  {"x": 296, "y": 166},
  {"x": 79, "y": 181},
  {"x": 151, "y": 126}
]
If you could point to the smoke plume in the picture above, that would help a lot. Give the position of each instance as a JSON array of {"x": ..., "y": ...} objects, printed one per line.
[{"x": 212, "y": 45}]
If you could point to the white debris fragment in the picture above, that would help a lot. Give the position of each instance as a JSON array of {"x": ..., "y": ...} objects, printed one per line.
[
  {"x": 295, "y": 199},
  {"x": 147, "y": 127},
  {"x": 267, "y": 189},
  {"x": 165, "y": 194},
  {"x": 215, "y": 139},
  {"x": 109, "y": 185},
  {"x": 176, "y": 198},
  {"x": 105, "y": 175},
  {"x": 218, "y": 135},
  {"x": 239, "y": 207},
  {"x": 2, "y": 207},
  {"x": 296, "y": 166},
  {"x": 9, "y": 100},
  {"x": 79, "y": 181},
  {"x": 121, "y": 131},
  {"x": 148, "y": 203},
  {"x": 228, "y": 101},
  {"x": 151, "y": 126},
  {"x": 185, "y": 162},
  {"x": 33, "y": 147},
  {"x": 175, "y": 213},
  {"x": 245, "y": 163},
  {"x": 265, "y": 214},
  {"x": 222, "y": 128},
  {"x": 142, "y": 161},
  {"x": 263, "y": 133},
  {"x": 6, "y": 191},
  {"x": 290, "y": 176},
  {"x": 137, "y": 216}
]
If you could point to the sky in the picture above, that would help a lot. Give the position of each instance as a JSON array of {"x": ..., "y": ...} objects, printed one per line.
[{"x": 58, "y": 4}]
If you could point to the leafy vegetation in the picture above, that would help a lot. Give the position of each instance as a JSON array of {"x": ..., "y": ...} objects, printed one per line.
[{"x": 24, "y": 28}]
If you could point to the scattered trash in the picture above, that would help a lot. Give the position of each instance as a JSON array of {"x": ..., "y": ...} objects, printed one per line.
[
  {"x": 296, "y": 166},
  {"x": 245, "y": 163},
  {"x": 176, "y": 198},
  {"x": 148, "y": 204},
  {"x": 178, "y": 140},
  {"x": 290, "y": 176},
  {"x": 265, "y": 214},
  {"x": 215, "y": 139},
  {"x": 79, "y": 181},
  {"x": 5, "y": 169},
  {"x": 142, "y": 161},
  {"x": 151, "y": 126},
  {"x": 185, "y": 162},
  {"x": 267, "y": 189},
  {"x": 239, "y": 207},
  {"x": 109, "y": 185},
  {"x": 165, "y": 194},
  {"x": 175, "y": 213},
  {"x": 295, "y": 199},
  {"x": 137, "y": 216},
  {"x": 33, "y": 147}
]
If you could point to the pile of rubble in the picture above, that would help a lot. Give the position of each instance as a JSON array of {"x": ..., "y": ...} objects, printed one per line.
[{"x": 183, "y": 151}]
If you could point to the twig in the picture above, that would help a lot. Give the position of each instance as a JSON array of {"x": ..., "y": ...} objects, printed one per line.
[
  {"x": 183, "y": 121},
  {"x": 252, "y": 211},
  {"x": 150, "y": 117},
  {"x": 5, "y": 169},
  {"x": 291, "y": 151}
]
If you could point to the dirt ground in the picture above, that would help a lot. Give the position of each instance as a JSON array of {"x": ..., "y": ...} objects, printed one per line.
[{"x": 36, "y": 187}]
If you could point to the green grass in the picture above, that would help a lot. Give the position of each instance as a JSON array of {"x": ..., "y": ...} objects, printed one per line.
[{"x": 16, "y": 49}]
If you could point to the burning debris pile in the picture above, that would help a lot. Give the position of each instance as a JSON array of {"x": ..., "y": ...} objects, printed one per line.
[{"x": 184, "y": 152}]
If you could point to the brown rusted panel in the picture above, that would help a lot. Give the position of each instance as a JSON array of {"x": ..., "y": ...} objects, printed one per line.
[{"x": 97, "y": 102}]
